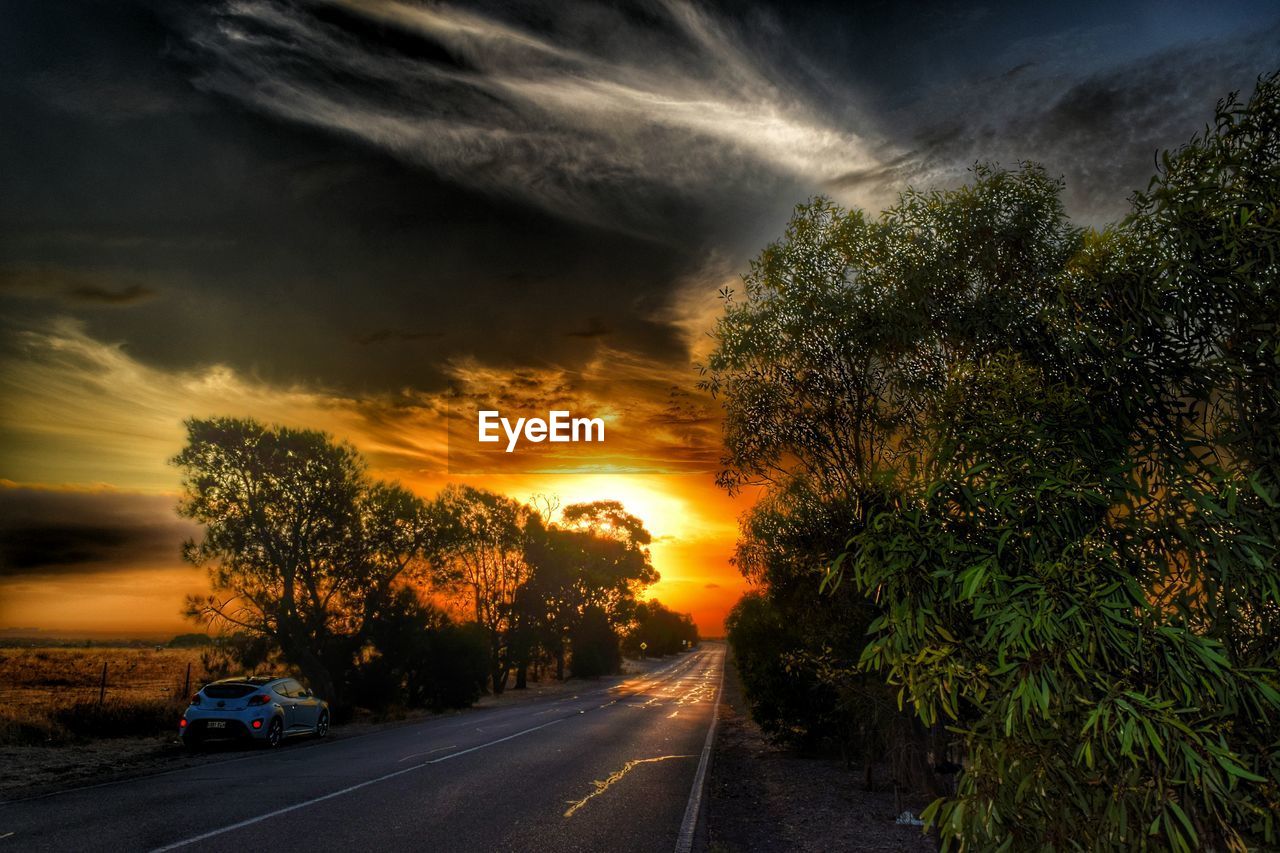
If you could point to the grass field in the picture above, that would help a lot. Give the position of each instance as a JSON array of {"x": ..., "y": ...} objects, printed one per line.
[{"x": 51, "y": 695}]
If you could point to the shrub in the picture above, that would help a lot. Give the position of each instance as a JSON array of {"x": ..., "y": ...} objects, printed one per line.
[
  {"x": 112, "y": 719},
  {"x": 419, "y": 658},
  {"x": 594, "y": 644}
]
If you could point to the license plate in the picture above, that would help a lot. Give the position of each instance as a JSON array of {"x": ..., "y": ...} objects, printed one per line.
[{"x": 216, "y": 724}]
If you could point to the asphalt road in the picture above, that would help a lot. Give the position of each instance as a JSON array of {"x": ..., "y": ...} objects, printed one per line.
[{"x": 613, "y": 768}]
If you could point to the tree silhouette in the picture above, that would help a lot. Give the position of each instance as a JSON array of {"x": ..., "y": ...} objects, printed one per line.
[
  {"x": 595, "y": 558},
  {"x": 483, "y": 563},
  {"x": 301, "y": 545}
]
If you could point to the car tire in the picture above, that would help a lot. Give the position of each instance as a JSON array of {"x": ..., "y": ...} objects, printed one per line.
[
  {"x": 322, "y": 724},
  {"x": 192, "y": 743},
  {"x": 275, "y": 733}
]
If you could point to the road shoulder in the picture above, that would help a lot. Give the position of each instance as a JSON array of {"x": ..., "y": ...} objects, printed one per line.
[{"x": 764, "y": 798}]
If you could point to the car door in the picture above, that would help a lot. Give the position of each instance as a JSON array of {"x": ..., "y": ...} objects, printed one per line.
[
  {"x": 285, "y": 691},
  {"x": 307, "y": 707}
]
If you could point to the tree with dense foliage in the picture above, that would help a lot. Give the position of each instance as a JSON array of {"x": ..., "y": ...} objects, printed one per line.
[
  {"x": 483, "y": 562},
  {"x": 595, "y": 645},
  {"x": 1062, "y": 481},
  {"x": 301, "y": 545},
  {"x": 420, "y": 658},
  {"x": 315, "y": 564},
  {"x": 661, "y": 630},
  {"x": 595, "y": 558},
  {"x": 615, "y": 561}
]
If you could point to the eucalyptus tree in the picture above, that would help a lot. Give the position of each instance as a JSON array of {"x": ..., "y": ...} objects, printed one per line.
[
  {"x": 483, "y": 563},
  {"x": 1078, "y": 566},
  {"x": 301, "y": 545}
]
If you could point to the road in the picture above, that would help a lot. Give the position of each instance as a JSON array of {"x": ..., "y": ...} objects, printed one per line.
[{"x": 612, "y": 768}]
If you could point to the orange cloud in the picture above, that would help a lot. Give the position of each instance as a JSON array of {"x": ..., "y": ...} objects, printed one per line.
[{"x": 87, "y": 417}]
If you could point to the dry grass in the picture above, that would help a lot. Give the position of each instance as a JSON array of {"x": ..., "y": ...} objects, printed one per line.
[{"x": 51, "y": 695}]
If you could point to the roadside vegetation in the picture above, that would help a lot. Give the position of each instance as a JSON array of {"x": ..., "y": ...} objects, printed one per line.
[
  {"x": 53, "y": 696},
  {"x": 1020, "y": 542},
  {"x": 382, "y": 601},
  {"x": 380, "y": 598}
]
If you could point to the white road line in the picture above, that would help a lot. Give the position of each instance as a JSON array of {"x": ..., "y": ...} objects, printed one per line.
[
  {"x": 383, "y": 778},
  {"x": 684, "y": 841},
  {"x": 428, "y": 752}
]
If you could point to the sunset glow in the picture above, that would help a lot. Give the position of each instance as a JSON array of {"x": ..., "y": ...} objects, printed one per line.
[{"x": 376, "y": 218}]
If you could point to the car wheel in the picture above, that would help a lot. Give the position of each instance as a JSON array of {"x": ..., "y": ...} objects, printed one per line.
[
  {"x": 275, "y": 733},
  {"x": 192, "y": 742},
  {"x": 322, "y": 724}
]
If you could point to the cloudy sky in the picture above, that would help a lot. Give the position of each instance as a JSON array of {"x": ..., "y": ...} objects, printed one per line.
[{"x": 326, "y": 214}]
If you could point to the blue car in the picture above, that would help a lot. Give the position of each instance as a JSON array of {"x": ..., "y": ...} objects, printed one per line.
[{"x": 259, "y": 709}]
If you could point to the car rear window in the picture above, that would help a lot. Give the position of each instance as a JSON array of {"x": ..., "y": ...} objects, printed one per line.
[{"x": 228, "y": 691}]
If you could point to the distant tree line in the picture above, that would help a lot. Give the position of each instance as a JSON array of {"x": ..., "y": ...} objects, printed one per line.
[
  {"x": 1035, "y": 470},
  {"x": 352, "y": 580}
]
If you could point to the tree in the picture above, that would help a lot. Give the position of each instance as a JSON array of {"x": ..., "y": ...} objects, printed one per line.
[
  {"x": 595, "y": 645},
  {"x": 661, "y": 630},
  {"x": 420, "y": 658},
  {"x": 613, "y": 548},
  {"x": 1063, "y": 489},
  {"x": 301, "y": 545},
  {"x": 596, "y": 558},
  {"x": 483, "y": 561}
]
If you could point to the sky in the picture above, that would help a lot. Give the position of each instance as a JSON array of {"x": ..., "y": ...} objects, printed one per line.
[{"x": 335, "y": 215}]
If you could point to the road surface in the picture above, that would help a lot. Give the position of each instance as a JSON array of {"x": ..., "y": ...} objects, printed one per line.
[{"x": 613, "y": 768}]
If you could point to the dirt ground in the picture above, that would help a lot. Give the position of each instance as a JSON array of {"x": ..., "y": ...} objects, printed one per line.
[{"x": 766, "y": 799}]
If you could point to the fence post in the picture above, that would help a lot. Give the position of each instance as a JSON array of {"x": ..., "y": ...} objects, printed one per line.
[{"x": 102, "y": 688}]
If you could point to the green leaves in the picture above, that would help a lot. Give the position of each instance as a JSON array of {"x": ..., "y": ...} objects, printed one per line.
[{"x": 1057, "y": 454}]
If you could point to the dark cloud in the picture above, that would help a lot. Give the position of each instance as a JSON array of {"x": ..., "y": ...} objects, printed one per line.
[
  {"x": 381, "y": 336},
  {"x": 357, "y": 196},
  {"x": 1101, "y": 129},
  {"x": 594, "y": 328},
  {"x": 124, "y": 296},
  {"x": 711, "y": 586},
  {"x": 53, "y": 546},
  {"x": 74, "y": 286},
  {"x": 44, "y": 532}
]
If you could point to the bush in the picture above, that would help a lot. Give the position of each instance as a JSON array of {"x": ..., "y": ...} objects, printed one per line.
[
  {"x": 786, "y": 701},
  {"x": 29, "y": 732},
  {"x": 594, "y": 644},
  {"x": 456, "y": 669},
  {"x": 190, "y": 641},
  {"x": 419, "y": 658},
  {"x": 112, "y": 719}
]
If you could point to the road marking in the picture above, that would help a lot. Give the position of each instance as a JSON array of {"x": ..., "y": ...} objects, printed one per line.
[
  {"x": 428, "y": 752},
  {"x": 684, "y": 841},
  {"x": 616, "y": 776},
  {"x": 347, "y": 790}
]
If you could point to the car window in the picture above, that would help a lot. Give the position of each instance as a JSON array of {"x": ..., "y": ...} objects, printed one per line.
[
  {"x": 294, "y": 688},
  {"x": 282, "y": 688},
  {"x": 228, "y": 691}
]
